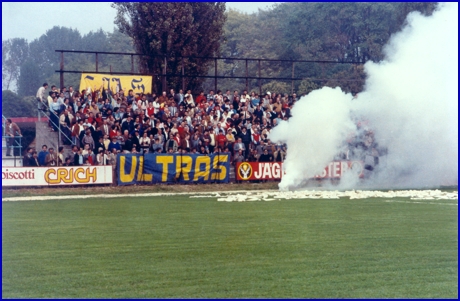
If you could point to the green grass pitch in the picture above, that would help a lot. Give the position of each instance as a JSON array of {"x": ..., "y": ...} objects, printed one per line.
[{"x": 175, "y": 247}]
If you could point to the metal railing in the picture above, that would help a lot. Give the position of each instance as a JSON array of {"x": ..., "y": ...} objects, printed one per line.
[
  {"x": 164, "y": 60},
  {"x": 56, "y": 126}
]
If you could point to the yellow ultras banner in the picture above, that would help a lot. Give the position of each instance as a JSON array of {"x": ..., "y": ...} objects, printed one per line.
[{"x": 115, "y": 83}]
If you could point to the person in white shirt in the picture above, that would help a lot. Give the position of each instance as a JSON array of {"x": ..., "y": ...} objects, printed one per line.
[{"x": 41, "y": 97}]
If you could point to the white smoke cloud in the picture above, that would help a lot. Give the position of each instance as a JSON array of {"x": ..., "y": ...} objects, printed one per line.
[
  {"x": 319, "y": 122},
  {"x": 410, "y": 100}
]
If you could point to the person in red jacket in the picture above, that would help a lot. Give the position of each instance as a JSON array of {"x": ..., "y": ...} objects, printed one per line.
[
  {"x": 221, "y": 139},
  {"x": 200, "y": 99}
]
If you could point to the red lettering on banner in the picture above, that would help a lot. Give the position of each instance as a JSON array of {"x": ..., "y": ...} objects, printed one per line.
[
  {"x": 273, "y": 171},
  {"x": 258, "y": 171},
  {"x": 18, "y": 175}
]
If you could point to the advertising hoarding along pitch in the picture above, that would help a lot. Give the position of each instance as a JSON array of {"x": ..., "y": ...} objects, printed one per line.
[
  {"x": 172, "y": 168},
  {"x": 246, "y": 171},
  {"x": 49, "y": 176}
]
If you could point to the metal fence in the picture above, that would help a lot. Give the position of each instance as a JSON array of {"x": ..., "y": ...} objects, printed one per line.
[{"x": 161, "y": 77}]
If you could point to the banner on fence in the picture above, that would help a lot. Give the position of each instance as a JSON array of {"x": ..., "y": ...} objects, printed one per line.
[
  {"x": 258, "y": 171},
  {"x": 52, "y": 176},
  {"x": 336, "y": 169},
  {"x": 246, "y": 171},
  {"x": 139, "y": 84},
  {"x": 172, "y": 168}
]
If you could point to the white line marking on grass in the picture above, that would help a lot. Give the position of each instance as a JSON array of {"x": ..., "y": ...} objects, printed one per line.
[
  {"x": 108, "y": 196},
  {"x": 413, "y": 202}
]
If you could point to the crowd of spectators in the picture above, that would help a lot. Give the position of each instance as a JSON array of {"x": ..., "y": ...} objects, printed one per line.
[{"x": 101, "y": 124}]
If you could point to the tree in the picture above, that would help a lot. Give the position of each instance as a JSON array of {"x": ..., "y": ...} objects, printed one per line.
[
  {"x": 14, "y": 54},
  {"x": 173, "y": 29},
  {"x": 29, "y": 79},
  {"x": 15, "y": 106}
]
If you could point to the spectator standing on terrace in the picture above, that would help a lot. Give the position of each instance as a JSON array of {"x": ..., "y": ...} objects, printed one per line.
[
  {"x": 88, "y": 139},
  {"x": 144, "y": 142},
  {"x": 101, "y": 157},
  {"x": 42, "y": 155},
  {"x": 65, "y": 120},
  {"x": 51, "y": 158},
  {"x": 230, "y": 138},
  {"x": 253, "y": 156},
  {"x": 188, "y": 94},
  {"x": 246, "y": 139},
  {"x": 157, "y": 146},
  {"x": 115, "y": 145},
  {"x": 12, "y": 130},
  {"x": 112, "y": 158},
  {"x": 54, "y": 113},
  {"x": 27, "y": 157},
  {"x": 34, "y": 160},
  {"x": 163, "y": 98},
  {"x": 266, "y": 157},
  {"x": 91, "y": 157},
  {"x": 239, "y": 157},
  {"x": 73, "y": 153},
  {"x": 279, "y": 155},
  {"x": 171, "y": 144},
  {"x": 238, "y": 146},
  {"x": 200, "y": 98},
  {"x": 41, "y": 98},
  {"x": 60, "y": 156}
]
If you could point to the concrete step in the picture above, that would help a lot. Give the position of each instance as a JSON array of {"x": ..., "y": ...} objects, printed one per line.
[{"x": 12, "y": 161}]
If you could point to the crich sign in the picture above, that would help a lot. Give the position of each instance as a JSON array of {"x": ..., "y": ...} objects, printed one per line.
[
  {"x": 49, "y": 176},
  {"x": 273, "y": 170}
]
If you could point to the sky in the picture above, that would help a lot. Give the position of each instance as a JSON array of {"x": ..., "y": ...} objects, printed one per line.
[{"x": 32, "y": 19}]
